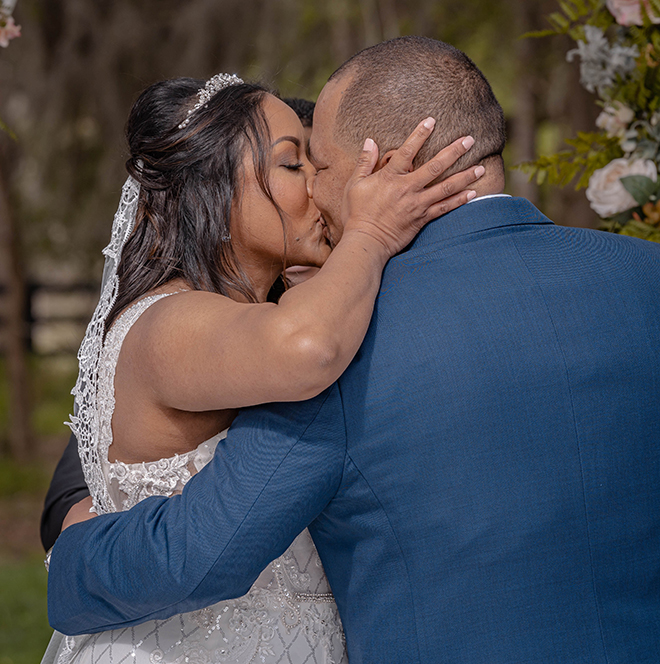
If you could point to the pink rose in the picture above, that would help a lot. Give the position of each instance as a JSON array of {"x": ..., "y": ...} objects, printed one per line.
[
  {"x": 629, "y": 12},
  {"x": 9, "y": 31}
]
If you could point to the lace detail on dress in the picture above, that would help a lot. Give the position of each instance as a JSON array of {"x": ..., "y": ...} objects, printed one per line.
[
  {"x": 128, "y": 484},
  {"x": 289, "y": 615},
  {"x": 160, "y": 478},
  {"x": 162, "y": 473}
]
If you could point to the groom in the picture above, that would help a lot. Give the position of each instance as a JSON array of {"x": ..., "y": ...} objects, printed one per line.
[{"x": 482, "y": 484}]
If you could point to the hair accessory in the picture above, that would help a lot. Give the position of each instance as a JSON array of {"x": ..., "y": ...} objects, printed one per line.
[{"x": 212, "y": 87}]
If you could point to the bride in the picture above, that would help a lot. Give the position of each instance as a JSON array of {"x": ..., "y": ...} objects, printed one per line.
[{"x": 217, "y": 205}]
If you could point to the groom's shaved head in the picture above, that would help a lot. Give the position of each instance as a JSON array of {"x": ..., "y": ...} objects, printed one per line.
[{"x": 396, "y": 84}]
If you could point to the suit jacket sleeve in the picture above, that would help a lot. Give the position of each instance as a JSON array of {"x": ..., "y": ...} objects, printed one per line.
[
  {"x": 276, "y": 471},
  {"x": 66, "y": 489}
]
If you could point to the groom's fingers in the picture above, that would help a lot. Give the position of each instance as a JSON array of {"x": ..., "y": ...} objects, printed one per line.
[
  {"x": 443, "y": 161},
  {"x": 401, "y": 160}
]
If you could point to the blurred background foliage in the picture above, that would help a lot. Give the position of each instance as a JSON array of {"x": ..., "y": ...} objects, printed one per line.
[
  {"x": 66, "y": 87},
  {"x": 68, "y": 83}
]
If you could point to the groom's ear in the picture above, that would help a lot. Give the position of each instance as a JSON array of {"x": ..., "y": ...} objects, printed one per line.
[{"x": 384, "y": 160}]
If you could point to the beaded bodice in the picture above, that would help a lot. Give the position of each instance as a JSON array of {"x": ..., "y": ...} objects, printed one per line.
[{"x": 289, "y": 615}]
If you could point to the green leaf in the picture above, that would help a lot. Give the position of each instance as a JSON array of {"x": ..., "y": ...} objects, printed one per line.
[
  {"x": 625, "y": 224},
  {"x": 641, "y": 230},
  {"x": 537, "y": 34},
  {"x": 618, "y": 221},
  {"x": 568, "y": 9},
  {"x": 7, "y": 129},
  {"x": 588, "y": 153},
  {"x": 610, "y": 226},
  {"x": 639, "y": 187},
  {"x": 560, "y": 21},
  {"x": 640, "y": 227}
]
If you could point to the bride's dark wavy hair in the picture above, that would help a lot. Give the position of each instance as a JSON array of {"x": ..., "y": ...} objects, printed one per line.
[{"x": 189, "y": 181}]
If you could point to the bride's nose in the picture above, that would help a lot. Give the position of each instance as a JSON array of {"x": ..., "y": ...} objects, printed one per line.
[{"x": 310, "y": 184}]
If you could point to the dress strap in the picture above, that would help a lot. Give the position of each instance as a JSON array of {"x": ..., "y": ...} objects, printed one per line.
[{"x": 106, "y": 391}]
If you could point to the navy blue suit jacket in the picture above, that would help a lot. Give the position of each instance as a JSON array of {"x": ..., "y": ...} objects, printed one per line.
[{"x": 482, "y": 484}]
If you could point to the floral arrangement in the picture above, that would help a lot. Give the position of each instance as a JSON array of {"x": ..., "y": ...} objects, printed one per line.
[
  {"x": 618, "y": 47},
  {"x": 8, "y": 28}
]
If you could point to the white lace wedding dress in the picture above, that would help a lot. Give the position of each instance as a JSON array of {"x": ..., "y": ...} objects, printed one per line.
[{"x": 289, "y": 616}]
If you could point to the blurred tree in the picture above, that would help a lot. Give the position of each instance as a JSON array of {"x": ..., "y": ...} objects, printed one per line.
[
  {"x": 523, "y": 130},
  {"x": 15, "y": 338},
  {"x": 19, "y": 432},
  {"x": 67, "y": 85},
  {"x": 69, "y": 82}
]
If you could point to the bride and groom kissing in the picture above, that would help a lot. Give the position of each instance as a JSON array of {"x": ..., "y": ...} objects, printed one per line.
[{"x": 467, "y": 428}]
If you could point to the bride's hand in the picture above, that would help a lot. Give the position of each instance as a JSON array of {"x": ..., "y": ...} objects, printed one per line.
[
  {"x": 395, "y": 203},
  {"x": 79, "y": 513}
]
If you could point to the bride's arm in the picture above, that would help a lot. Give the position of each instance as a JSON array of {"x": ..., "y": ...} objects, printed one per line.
[{"x": 202, "y": 351}]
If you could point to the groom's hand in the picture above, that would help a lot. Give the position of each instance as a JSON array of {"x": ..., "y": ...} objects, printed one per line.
[{"x": 393, "y": 204}]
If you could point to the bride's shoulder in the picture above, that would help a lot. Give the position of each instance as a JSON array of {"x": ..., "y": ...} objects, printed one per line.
[
  {"x": 182, "y": 316},
  {"x": 197, "y": 351},
  {"x": 173, "y": 307},
  {"x": 168, "y": 323}
]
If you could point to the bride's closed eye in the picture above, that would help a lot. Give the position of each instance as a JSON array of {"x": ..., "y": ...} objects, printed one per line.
[{"x": 293, "y": 167}]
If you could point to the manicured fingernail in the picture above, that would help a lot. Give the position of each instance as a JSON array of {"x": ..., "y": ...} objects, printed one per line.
[
  {"x": 429, "y": 123},
  {"x": 471, "y": 195},
  {"x": 368, "y": 145},
  {"x": 468, "y": 142},
  {"x": 479, "y": 171}
]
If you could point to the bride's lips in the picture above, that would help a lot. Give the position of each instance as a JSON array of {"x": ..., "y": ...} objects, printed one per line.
[{"x": 326, "y": 230}]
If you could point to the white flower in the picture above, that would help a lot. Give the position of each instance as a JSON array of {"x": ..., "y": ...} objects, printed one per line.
[
  {"x": 629, "y": 12},
  {"x": 601, "y": 63},
  {"x": 615, "y": 119},
  {"x": 605, "y": 192}
]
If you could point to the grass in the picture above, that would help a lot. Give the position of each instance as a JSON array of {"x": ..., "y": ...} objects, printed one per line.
[{"x": 24, "y": 630}]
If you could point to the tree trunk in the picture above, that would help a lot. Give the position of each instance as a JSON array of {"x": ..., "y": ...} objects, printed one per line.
[
  {"x": 582, "y": 111},
  {"x": 20, "y": 436},
  {"x": 372, "y": 31},
  {"x": 523, "y": 131},
  {"x": 340, "y": 28},
  {"x": 389, "y": 19}
]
